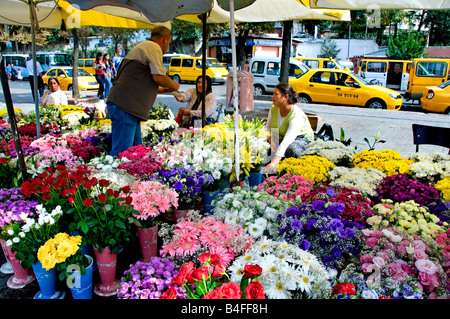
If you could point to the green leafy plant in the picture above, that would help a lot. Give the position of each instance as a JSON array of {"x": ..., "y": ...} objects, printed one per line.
[{"x": 376, "y": 140}]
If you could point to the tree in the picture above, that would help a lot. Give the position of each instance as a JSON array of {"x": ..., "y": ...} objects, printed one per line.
[
  {"x": 406, "y": 46},
  {"x": 118, "y": 35},
  {"x": 438, "y": 22},
  {"x": 185, "y": 35},
  {"x": 329, "y": 50}
]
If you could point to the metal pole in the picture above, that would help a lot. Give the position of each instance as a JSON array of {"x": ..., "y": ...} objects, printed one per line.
[
  {"x": 203, "y": 17},
  {"x": 235, "y": 90},
  {"x": 33, "y": 56},
  {"x": 12, "y": 120}
]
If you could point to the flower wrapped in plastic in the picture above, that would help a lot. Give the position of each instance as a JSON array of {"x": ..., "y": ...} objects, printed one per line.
[
  {"x": 365, "y": 180},
  {"x": 289, "y": 187},
  {"x": 320, "y": 229},
  {"x": 288, "y": 272},
  {"x": 334, "y": 151},
  {"x": 255, "y": 211},
  {"x": 409, "y": 217}
]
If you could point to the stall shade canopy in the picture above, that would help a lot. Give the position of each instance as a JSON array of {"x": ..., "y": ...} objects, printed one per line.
[
  {"x": 50, "y": 14},
  {"x": 381, "y": 4}
]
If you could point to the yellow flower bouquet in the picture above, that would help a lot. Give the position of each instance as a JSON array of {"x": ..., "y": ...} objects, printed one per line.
[
  {"x": 61, "y": 251},
  {"x": 312, "y": 167},
  {"x": 443, "y": 186},
  {"x": 408, "y": 217},
  {"x": 388, "y": 161}
]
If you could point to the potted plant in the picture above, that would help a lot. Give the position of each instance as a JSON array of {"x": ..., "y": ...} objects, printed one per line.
[
  {"x": 26, "y": 239},
  {"x": 187, "y": 182},
  {"x": 102, "y": 216},
  {"x": 62, "y": 255},
  {"x": 151, "y": 199}
]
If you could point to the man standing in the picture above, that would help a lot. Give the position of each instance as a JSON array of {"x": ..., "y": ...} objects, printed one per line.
[
  {"x": 140, "y": 78},
  {"x": 40, "y": 82},
  {"x": 116, "y": 60}
]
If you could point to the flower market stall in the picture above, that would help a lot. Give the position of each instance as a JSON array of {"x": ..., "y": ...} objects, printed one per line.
[{"x": 172, "y": 219}]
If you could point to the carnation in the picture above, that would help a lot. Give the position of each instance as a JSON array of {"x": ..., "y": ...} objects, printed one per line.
[{"x": 289, "y": 187}]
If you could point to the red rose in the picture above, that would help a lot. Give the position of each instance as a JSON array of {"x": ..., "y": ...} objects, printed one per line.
[
  {"x": 109, "y": 191},
  {"x": 254, "y": 290},
  {"x": 128, "y": 200},
  {"x": 170, "y": 293},
  {"x": 94, "y": 181},
  {"x": 87, "y": 202},
  {"x": 200, "y": 274},
  {"x": 46, "y": 196},
  {"x": 185, "y": 270},
  {"x": 116, "y": 194},
  {"x": 229, "y": 290},
  {"x": 126, "y": 189},
  {"x": 71, "y": 200},
  {"x": 212, "y": 294},
  {"x": 2, "y": 160},
  {"x": 218, "y": 271},
  {"x": 103, "y": 182},
  {"x": 204, "y": 257},
  {"x": 102, "y": 197},
  {"x": 252, "y": 271}
]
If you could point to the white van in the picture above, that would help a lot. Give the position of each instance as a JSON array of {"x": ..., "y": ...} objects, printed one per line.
[{"x": 266, "y": 72}]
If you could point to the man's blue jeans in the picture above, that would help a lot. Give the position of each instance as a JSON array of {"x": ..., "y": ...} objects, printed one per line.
[{"x": 125, "y": 129}]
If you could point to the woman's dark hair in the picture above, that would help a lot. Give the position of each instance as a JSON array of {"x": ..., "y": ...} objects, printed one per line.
[
  {"x": 286, "y": 89},
  {"x": 99, "y": 54},
  {"x": 208, "y": 88},
  {"x": 53, "y": 78}
]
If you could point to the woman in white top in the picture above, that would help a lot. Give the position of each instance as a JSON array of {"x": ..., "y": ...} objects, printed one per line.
[
  {"x": 289, "y": 127},
  {"x": 54, "y": 96},
  {"x": 193, "y": 97}
]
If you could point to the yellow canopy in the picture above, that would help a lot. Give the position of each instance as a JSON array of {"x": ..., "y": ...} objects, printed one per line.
[{"x": 50, "y": 14}]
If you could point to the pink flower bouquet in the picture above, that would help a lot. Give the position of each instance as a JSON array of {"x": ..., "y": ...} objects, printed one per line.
[
  {"x": 288, "y": 186},
  {"x": 392, "y": 259},
  {"x": 151, "y": 199},
  {"x": 192, "y": 238}
]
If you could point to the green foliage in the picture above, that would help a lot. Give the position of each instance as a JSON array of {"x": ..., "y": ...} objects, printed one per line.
[
  {"x": 329, "y": 50},
  {"x": 406, "y": 46}
]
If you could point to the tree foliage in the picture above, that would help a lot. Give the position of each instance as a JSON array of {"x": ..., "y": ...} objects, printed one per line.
[{"x": 406, "y": 46}]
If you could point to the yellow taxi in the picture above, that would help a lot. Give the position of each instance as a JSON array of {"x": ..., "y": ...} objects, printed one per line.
[
  {"x": 87, "y": 65},
  {"x": 86, "y": 82},
  {"x": 437, "y": 98},
  {"x": 340, "y": 87}
]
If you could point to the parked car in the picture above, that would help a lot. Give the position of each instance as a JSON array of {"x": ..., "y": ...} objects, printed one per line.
[
  {"x": 167, "y": 57},
  {"x": 437, "y": 98},
  {"x": 302, "y": 35},
  {"x": 189, "y": 68},
  {"x": 320, "y": 63},
  {"x": 87, "y": 65},
  {"x": 266, "y": 72},
  {"x": 393, "y": 74},
  {"x": 342, "y": 87},
  {"x": 86, "y": 81}
]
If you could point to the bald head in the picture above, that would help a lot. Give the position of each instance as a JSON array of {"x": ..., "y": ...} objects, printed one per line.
[{"x": 161, "y": 32}]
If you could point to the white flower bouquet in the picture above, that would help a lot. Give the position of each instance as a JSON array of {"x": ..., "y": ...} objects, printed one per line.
[
  {"x": 334, "y": 151},
  {"x": 287, "y": 271},
  {"x": 254, "y": 211},
  {"x": 365, "y": 180}
]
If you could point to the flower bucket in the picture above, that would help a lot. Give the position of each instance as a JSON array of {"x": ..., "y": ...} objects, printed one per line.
[
  {"x": 179, "y": 213},
  {"x": 22, "y": 276},
  {"x": 148, "y": 240},
  {"x": 208, "y": 197},
  {"x": 6, "y": 268},
  {"x": 255, "y": 179},
  {"x": 47, "y": 283},
  {"x": 233, "y": 184},
  {"x": 106, "y": 263},
  {"x": 81, "y": 285}
]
